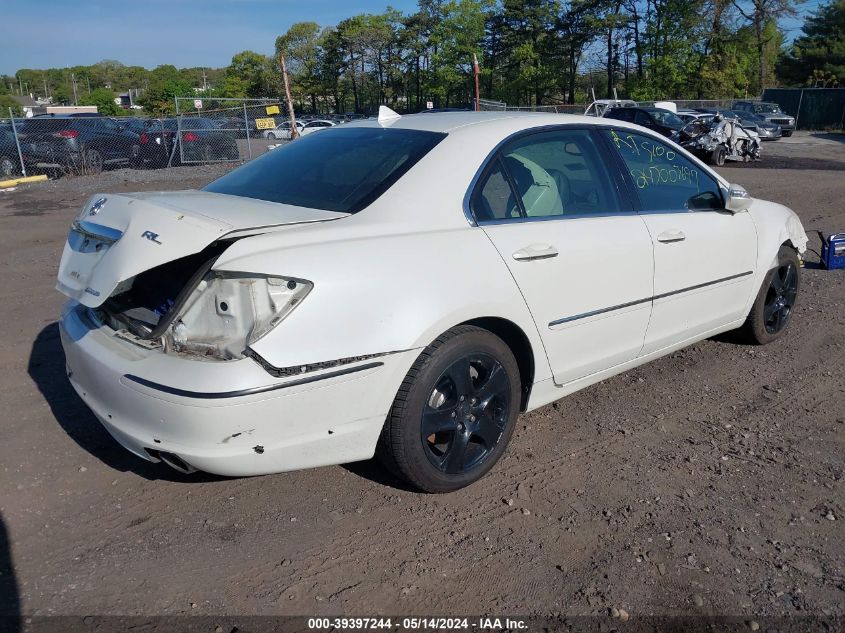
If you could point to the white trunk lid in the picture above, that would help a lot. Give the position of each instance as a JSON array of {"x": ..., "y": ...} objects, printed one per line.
[{"x": 133, "y": 232}]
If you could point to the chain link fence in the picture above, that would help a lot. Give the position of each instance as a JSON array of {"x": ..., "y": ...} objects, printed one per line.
[
  {"x": 221, "y": 130},
  {"x": 682, "y": 104},
  {"x": 202, "y": 131}
]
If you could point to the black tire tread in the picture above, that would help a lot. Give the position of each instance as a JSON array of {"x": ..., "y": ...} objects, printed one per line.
[
  {"x": 390, "y": 451},
  {"x": 753, "y": 330}
]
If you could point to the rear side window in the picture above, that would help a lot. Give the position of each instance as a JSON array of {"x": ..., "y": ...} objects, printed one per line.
[
  {"x": 548, "y": 174},
  {"x": 344, "y": 169},
  {"x": 665, "y": 180}
]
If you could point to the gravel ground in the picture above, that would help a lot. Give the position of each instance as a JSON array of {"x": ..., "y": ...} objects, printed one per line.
[{"x": 707, "y": 482}]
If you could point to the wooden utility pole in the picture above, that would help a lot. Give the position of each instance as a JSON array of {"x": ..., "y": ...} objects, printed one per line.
[
  {"x": 476, "y": 71},
  {"x": 294, "y": 133}
]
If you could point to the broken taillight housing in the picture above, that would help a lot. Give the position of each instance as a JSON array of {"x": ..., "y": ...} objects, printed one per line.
[{"x": 228, "y": 312}]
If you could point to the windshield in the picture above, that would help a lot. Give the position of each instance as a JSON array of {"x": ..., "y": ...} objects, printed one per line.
[
  {"x": 342, "y": 169},
  {"x": 667, "y": 118},
  {"x": 768, "y": 108}
]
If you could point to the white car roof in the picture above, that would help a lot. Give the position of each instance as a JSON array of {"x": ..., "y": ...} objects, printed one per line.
[{"x": 450, "y": 122}]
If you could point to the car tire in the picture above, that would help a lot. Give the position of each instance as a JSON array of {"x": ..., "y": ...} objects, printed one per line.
[
  {"x": 775, "y": 302},
  {"x": 92, "y": 161},
  {"x": 718, "y": 156},
  {"x": 272, "y": 137},
  {"x": 454, "y": 413},
  {"x": 8, "y": 167},
  {"x": 789, "y": 133}
]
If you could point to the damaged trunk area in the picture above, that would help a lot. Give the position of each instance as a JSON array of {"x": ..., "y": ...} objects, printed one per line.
[
  {"x": 185, "y": 307},
  {"x": 145, "y": 306}
]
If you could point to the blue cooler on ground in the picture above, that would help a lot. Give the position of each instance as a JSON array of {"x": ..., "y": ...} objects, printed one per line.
[{"x": 833, "y": 251}]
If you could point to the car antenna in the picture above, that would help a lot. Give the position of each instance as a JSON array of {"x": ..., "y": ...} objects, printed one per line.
[{"x": 386, "y": 115}]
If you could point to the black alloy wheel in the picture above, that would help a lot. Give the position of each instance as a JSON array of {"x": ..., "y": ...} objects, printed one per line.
[
  {"x": 466, "y": 414},
  {"x": 780, "y": 298},
  {"x": 774, "y": 305},
  {"x": 454, "y": 413}
]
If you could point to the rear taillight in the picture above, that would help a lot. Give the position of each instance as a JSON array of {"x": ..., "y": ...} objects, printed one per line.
[
  {"x": 68, "y": 133},
  {"x": 143, "y": 139},
  {"x": 190, "y": 136}
]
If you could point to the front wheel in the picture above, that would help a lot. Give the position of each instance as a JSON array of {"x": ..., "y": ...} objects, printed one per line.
[
  {"x": 455, "y": 411},
  {"x": 772, "y": 309},
  {"x": 718, "y": 156}
]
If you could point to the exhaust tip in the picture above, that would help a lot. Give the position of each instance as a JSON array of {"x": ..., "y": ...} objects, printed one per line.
[{"x": 174, "y": 461}]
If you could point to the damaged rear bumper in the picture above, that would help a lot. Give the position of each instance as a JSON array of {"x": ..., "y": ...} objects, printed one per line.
[{"x": 228, "y": 418}]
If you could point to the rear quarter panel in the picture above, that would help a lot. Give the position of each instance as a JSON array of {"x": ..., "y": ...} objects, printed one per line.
[{"x": 381, "y": 291}]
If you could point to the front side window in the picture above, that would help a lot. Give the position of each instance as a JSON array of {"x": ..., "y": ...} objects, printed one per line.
[
  {"x": 664, "y": 179},
  {"x": 343, "y": 170},
  {"x": 548, "y": 174}
]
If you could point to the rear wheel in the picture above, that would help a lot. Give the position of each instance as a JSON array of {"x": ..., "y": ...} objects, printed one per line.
[
  {"x": 775, "y": 302},
  {"x": 455, "y": 411}
]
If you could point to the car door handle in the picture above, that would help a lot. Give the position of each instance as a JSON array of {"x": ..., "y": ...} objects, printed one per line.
[
  {"x": 672, "y": 235},
  {"x": 535, "y": 251}
]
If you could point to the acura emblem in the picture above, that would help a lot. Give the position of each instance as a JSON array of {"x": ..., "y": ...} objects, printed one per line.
[{"x": 95, "y": 208}]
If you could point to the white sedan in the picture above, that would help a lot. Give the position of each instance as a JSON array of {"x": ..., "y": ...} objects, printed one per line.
[
  {"x": 405, "y": 286},
  {"x": 282, "y": 131}
]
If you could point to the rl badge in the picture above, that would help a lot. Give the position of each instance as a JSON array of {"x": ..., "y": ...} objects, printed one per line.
[{"x": 153, "y": 237}]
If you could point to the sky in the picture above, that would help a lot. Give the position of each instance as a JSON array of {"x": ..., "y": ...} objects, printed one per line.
[{"x": 185, "y": 33}]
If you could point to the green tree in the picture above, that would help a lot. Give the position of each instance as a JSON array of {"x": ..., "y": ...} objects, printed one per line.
[
  {"x": 817, "y": 57},
  {"x": 247, "y": 75},
  {"x": 103, "y": 98},
  {"x": 7, "y": 102}
]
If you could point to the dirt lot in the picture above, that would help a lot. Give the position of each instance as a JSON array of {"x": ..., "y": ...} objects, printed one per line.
[{"x": 708, "y": 482}]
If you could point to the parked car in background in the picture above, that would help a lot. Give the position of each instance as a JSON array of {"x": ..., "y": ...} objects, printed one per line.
[
  {"x": 10, "y": 163},
  {"x": 132, "y": 124},
  {"x": 769, "y": 111},
  {"x": 662, "y": 121},
  {"x": 282, "y": 131},
  {"x": 76, "y": 144},
  {"x": 600, "y": 106},
  {"x": 202, "y": 327},
  {"x": 688, "y": 116},
  {"x": 316, "y": 125},
  {"x": 201, "y": 142},
  {"x": 766, "y": 130}
]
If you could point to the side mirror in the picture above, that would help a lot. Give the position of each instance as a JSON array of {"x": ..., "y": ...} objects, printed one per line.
[{"x": 738, "y": 199}]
